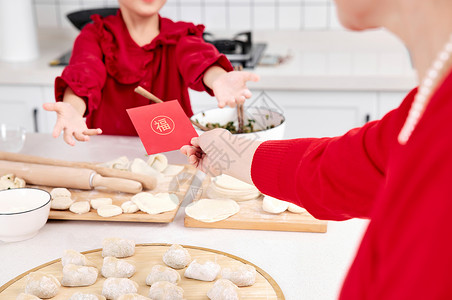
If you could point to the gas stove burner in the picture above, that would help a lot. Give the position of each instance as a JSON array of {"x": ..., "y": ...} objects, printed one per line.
[{"x": 240, "y": 49}]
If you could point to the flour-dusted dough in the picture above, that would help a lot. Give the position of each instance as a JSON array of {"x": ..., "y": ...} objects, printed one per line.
[
  {"x": 133, "y": 296},
  {"x": 212, "y": 210},
  {"x": 155, "y": 204},
  {"x": 207, "y": 271},
  {"x": 162, "y": 273},
  {"x": 76, "y": 258},
  {"x": 164, "y": 290},
  {"x": 113, "y": 288},
  {"x": 176, "y": 257},
  {"x": 296, "y": 209},
  {"x": 223, "y": 289},
  {"x": 98, "y": 202},
  {"x": 113, "y": 267},
  {"x": 41, "y": 285},
  {"x": 23, "y": 296},
  {"x": 80, "y": 207},
  {"x": 141, "y": 167},
  {"x": 158, "y": 161},
  {"x": 61, "y": 203},
  {"x": 243, "y": 275},
  {"x": 9, "y": 181},
  {"x": 60, "y": 192},
  {"x": 83, "y": 296},
  {"x": 109, "y": 210},
  {"x": 273, "y": 205},
  {"x": 118, "y": 247},
  {"x": 74, "y": 275},
  {"x": 120, "y": 163},
  {"x": 172, "y": 170},
  {"x": 129, "y": 207}
]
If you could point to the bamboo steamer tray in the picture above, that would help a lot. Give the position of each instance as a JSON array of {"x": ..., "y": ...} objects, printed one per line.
[
  {"x": 178, "y": 184},
  {"x": 252, "y": 216},
  {"x": 145, "y": 257}
]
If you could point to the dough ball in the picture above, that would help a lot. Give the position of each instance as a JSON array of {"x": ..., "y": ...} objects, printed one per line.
[
  {"x": 212, "y": 210},
  {"x": 41, "y": 285},
  {"x": 273, "y": 205},
  {"x": 83, "y": 296},
  {"x": 75, "y": 258},
  {"x": 98, "y": 202},
  {"x": 74, "y": 275},
  {"x": 118, "y": 247},
  {"x": 61, "y": 203},
  {"x": 164, "y": 290},
  {"x": 109, "y": 210},
  {"x": 120, "y": 163},
  {"x": 176, "y": 257},
  {"x": 172, "y": 170},
  {"x": 223, "y": 289},
  {"x": 205, "y": 272},
  {"x": 23, "y": 296},
  {"x": 113, "y": 288},
  {"x": 60, "y": 192},
  {"x": 129, "y": 207},
  {"x": 155, "y": 204},
  {"x": 133, "y": 296},
  {"x": 158, "y": 161},
  {"x": 80, "y": 207},
  {"x": 296, "y": 209},
  {"x": 162, "y": 273},
  {"x": 141, "y": 167},
  {"x": 113, "y": 267},
  {"x": 243, "y": 275}
]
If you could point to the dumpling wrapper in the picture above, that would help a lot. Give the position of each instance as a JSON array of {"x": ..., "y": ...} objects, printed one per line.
[
  {"x": 155, "y": 204},
  {"x": 232, "y": 183},
  {"x": 273, "y": 205},
  {"x": 214, "y": 191},
  {"x": 212, "y": 210}
]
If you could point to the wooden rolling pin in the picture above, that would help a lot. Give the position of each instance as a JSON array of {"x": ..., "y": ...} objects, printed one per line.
[
  {"x": 148, "y": 182},
  {"x": 76, "y": 178}
]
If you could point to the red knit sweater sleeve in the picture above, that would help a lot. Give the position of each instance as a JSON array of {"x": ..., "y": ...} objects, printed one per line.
[
  {"x": 86, "y": 72},
  {"x": 333, "y": 178}
]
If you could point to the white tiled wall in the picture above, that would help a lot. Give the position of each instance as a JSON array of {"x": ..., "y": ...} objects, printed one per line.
[{"x": 215, "y": 14}]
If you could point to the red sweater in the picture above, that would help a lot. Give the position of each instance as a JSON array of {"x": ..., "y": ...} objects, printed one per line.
[
  {"x": 405, "y": 191},
  {"x": 107, "y": 65}
]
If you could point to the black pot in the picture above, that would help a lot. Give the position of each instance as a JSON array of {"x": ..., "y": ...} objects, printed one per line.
[{"x": 82, "y": 17}]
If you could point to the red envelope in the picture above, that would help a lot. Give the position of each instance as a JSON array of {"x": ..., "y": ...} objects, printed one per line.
[{"x": 162, "y": 126}]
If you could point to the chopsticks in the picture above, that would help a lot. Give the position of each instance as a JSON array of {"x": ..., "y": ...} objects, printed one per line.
[{"x": 140, "y": 90}]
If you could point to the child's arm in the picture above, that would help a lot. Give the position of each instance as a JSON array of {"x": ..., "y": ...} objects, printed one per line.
[
  {"x": 70, "y": 118},
  {"x": 229, "y": 87}
]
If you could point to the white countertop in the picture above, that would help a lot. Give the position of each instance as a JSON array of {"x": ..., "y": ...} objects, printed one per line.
[
  {"x": 305, "y": 265},
  {"x": 326, "y": 60}
]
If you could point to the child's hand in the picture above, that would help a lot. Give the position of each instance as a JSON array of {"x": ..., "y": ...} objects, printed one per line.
[
  {"x": 230, "y": 88},
  {"x": 71, "y": 122}
]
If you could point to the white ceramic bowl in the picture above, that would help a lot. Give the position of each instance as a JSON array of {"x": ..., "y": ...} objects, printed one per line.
[
  {"x": 12, "y": 138},
  {"x": 23, "y": 212},
  {"x": 264, "y": 119}
]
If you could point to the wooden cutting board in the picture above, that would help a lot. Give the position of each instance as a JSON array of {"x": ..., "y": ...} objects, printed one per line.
[
  {"x": 145, "y": 257},
  {"x": 178, "y": 184},
  {"x": 252, "y": 216}
]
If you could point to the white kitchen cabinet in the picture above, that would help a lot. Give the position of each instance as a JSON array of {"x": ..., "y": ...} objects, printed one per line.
[{"x": 388, "y": 101}]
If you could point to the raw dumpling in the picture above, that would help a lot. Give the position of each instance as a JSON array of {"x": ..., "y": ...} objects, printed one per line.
[
  {"x": 80, "y": 207},
  {"x": 42, "y": 285},
  {"x": 74, "y": 275},
  {"x": 120, "y": 163},
  {"x": 133, "y": 296},
  {"x": 60, "y": 192},
  {"x": 212, "y": 210},
  {"x": 205, "y": 272},
  {"x": 9, "y": 181},
  {"x": 113, "y": 267},
  {"x": 172, "y": 170},
  {"x": 273, "y": 205},
  {"x": 296, "y": 209},
  {"x": 141, "y": 167},
  {"x": 243, "y": 275},
  {"x": 162, "y": 273},
  {"x": 117, "y": 247},
  {"x": 113, "y": 288},
  {"x": 129, "y": 207},
  {"x": 74, "y": 257},
  {"x": 155, "y": 204},
  {"x": 223, "y": 289},
  {"x": 109, "y": 210},
  {"x": 83, "y": 296},
  {"x": 176, "y": 257},
  {"x": 98, "y": 202},
  {"x": 164, "y": 290},
  {"x": 158, "y": 161},
  {"x": 23, "y": 296}
]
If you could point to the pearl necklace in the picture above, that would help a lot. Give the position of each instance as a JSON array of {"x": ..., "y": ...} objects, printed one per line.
[{"x": 425, "y": 91}]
